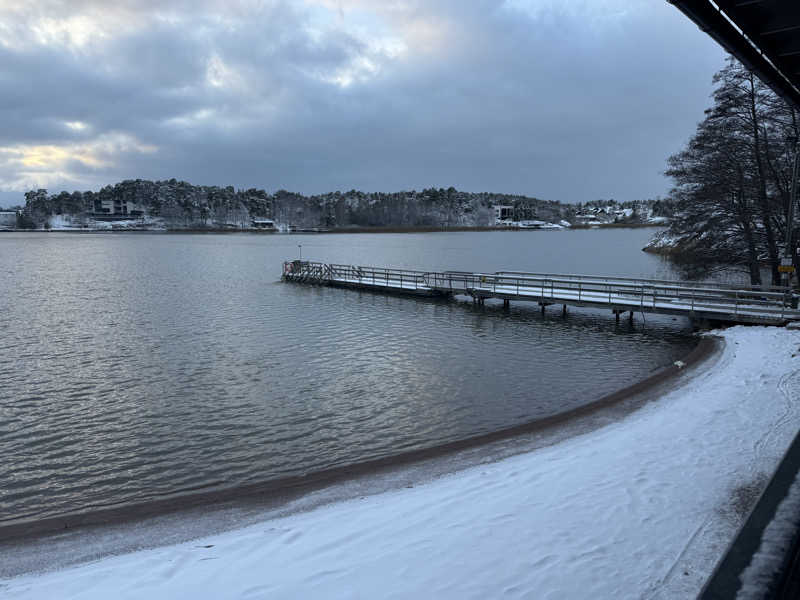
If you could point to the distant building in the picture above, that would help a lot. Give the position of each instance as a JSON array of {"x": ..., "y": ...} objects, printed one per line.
[
  {"x": 503, "y": 213},
  {"x": 117, "y": 208},
  {"x": 261, "y": 223},
  {"x": 8, "y": 219},
  {"x": 103, "y": 207}
]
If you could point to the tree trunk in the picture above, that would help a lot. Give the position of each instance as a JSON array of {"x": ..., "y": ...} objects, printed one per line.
[
  {"x": 752, "y": 254},
  {"x": 766, "y": 213},
  {"x": 747, "y": 232}
]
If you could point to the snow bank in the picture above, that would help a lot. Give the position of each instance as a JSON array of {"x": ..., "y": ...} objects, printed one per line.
[
  {"x": 642, "y": 507},
  {"x": 62, "y": 223},
  {"x": 664, "y": 242},
  {"x": 72, "y": 223}
]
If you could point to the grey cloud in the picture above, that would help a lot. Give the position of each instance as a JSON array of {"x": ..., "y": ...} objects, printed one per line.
[{"x": 554, "y": 106}]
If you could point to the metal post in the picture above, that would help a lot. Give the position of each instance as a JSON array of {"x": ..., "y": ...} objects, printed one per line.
[{"x": 301, "y": 250}]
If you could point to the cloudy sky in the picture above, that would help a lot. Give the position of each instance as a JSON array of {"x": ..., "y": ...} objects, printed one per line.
[{"x": 569, "y": 100}]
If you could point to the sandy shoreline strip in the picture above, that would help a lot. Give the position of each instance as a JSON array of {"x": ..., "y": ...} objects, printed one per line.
[
  {"x": 277, "y": 492},
  {"x": 641, "y": 506}
]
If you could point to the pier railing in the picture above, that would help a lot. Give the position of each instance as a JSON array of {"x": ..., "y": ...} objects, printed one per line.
[
  {"x": 403, "y": 278},
  {"x": 620, "y": 294},
  {"x": 305, "y": 271},
  {"x": 310, "y": 271},
  {"x": 647, "y": 281},
  {"x": 615, "y": 292}
]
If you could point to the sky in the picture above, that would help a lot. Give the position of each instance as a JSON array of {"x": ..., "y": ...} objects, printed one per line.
[{"x": 569, "y": 100}]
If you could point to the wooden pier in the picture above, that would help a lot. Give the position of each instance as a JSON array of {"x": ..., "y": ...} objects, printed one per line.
[{"x": 700, "y": 302}]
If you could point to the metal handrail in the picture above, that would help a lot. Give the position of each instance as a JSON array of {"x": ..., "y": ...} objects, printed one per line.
[
  {"x": 637, "y": 284},
  {"x": 615, "y": 292},
  {"x": 674, "y": 282},
  {"x": 692, "y": 295}
]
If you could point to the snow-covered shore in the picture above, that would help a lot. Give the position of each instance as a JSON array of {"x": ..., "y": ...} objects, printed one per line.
[{"x": 642, "y": 507}]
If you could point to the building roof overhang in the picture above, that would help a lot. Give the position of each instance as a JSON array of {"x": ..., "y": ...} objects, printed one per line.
[{"x": 764, "y": 35}]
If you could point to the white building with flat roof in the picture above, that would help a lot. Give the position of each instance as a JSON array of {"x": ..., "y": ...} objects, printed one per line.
[{"x": 262, "y": 223}]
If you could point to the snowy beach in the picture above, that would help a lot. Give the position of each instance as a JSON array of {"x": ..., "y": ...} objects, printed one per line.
[{"x": 641, "y": 507}]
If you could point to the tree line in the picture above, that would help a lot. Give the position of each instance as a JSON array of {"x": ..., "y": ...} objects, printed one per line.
[
  {"x": 733, "y": 180},
  {"x": 179, "y": 204}
]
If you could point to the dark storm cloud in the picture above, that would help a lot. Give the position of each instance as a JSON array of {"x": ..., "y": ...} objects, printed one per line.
[{"x": 566, "y": 100}]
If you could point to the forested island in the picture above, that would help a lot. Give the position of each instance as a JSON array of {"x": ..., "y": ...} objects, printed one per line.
[{"x": 176, "y": 205}]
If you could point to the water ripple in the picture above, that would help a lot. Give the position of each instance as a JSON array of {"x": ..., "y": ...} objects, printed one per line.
[{"x": 157, "y": 365}]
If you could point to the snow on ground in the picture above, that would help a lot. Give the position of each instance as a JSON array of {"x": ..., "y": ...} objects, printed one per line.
[
  {"x": 62, "y": 222},
  {"x": 643, "y": 507},
  {"x": 67, "y": 223}
]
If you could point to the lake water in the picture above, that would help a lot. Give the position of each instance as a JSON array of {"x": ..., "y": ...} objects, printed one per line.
[{"x": 133, "y": 366}]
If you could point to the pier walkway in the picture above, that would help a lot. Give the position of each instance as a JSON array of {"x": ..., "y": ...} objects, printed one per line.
[{"x": 699, "y": 302}]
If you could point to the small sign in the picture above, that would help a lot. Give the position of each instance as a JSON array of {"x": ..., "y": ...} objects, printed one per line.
[{"x": 785, "y": 269}]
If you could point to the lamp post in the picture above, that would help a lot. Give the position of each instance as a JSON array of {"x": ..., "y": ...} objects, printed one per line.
[{"x": 300, "y": 246}]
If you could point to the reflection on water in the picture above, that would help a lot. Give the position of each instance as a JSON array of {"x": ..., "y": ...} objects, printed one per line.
[{"x": 133, "y": 366}]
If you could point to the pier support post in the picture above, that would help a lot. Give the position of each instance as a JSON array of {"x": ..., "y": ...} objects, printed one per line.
[
  {"x": 630, "y": 317},
  {"x": 543, "y": 305},
  {"x": 506, "y": 303},
  {"x": 616, "y": 314},
  {"x": 564, "y": 310}
]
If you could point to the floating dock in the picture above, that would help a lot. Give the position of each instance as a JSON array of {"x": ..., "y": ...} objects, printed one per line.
[{"x": 704, "y": 302}]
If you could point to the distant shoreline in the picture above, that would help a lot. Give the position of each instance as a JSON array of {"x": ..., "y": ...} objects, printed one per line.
[{"x": 312, "y": 230}]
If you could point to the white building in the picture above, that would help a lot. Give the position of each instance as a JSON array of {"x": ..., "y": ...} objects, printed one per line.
[
  {"x": 262, "y": 223},
  {"x": 117, "y": 207},
  {"x": 8, "y": 219}
]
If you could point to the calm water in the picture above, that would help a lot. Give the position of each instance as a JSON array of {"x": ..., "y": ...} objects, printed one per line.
[{"x": 134, "y": 366}]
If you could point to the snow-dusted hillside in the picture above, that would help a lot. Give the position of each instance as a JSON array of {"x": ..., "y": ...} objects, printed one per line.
[{"x": 179, "y": 205}]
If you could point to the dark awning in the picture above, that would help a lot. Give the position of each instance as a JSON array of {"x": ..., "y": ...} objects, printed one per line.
[{"x": 763, "y": 34}]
